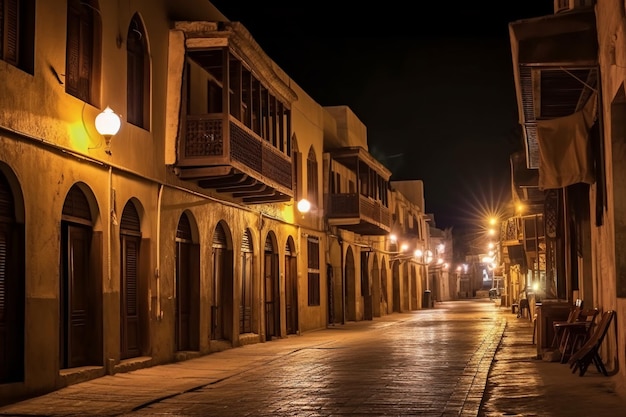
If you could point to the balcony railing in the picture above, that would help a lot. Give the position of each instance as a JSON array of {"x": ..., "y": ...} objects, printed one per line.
[
  {"x": 358, "y": 213},
  {"x": 207, "y": 143}
]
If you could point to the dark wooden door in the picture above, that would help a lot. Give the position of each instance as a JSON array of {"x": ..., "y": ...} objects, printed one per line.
[
  {"x": 77, "y": 309},
  {"x": 245, "y": 308},
  {"x": 183, "y": 296},
  {"x": 129, "y": 311},
  {"x": 12, "y": 299},
  {"x": 291, "y": 294},
  {"x": 217, "y": 324},
  {"x": 272, "y": 305}
]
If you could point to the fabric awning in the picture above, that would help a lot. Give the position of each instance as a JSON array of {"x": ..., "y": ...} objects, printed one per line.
[{"x": 565, "y": 148}]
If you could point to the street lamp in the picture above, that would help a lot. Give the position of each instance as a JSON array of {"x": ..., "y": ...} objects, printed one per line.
[
  {"x": 304, "y": 206},
  {"x": 108, "y": 124}
]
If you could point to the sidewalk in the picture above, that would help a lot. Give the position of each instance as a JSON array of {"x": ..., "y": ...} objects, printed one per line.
[{"x": 518, "y": 383}]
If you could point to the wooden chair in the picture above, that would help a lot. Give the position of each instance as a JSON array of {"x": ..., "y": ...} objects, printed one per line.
[
  {"x": 524, "y": 306},
  {"x": 576, "y": 333},
  {"x": 559, "y": 326},
  {"x": 588, "y": 353}
]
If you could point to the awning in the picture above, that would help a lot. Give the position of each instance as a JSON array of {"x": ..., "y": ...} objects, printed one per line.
[
  {"x": 560, "y": 39},
  {"x": 555, "y": 62},
  {"x": 565, "y": 148}
]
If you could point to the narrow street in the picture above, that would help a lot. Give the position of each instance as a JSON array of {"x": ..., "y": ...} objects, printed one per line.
[
  {"x": 429, "y": 363},
  {"x": 462, "y": 358},
  {"x": 432, "y": 363}
]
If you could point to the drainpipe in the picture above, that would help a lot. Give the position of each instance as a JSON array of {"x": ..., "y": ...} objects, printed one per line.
[
  {"x": 261, "y": 272},
  {"x": 111, "y": 221}
]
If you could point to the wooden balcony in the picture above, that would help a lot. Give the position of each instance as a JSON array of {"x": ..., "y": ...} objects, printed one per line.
[
  {"x": 219, "y": 152},
  {"x": 358, "y": 214}
]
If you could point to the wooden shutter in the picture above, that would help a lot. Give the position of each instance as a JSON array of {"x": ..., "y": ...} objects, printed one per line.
[
  {"x": 10, "y": 30},
  {"x": 80, "y": 50}
]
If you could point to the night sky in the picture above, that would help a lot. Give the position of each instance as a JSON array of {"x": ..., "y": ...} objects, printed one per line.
[{"x": 431, "y": 81}]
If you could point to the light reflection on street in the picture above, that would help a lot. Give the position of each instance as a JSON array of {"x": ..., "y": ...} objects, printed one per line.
[{"x": 426, "y": 365}]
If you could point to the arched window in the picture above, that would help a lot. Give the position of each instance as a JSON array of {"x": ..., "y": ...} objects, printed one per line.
[
  {"x": 138, "y": 77},
  {"x": 311, "y": 175}
]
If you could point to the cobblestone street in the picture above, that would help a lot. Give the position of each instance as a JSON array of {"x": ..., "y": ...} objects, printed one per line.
[{"x": 433, "y": 362}]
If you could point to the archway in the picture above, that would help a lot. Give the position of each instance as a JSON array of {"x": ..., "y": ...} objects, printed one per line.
[
  {"x": 187, "y": 327},
  {"x": 12, "y": 279},
  {"x": 271, "y": 288},
  {"x": 81, "y": 282},
  {"x": 350, "y": 293},
  {"x": 291, "y": 287},
  {"x": 222, "y": 288}
]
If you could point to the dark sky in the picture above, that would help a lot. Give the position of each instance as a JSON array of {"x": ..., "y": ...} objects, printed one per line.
[{"x": 431, "y": 81}]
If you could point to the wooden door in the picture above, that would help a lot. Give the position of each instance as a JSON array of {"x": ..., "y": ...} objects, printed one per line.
[{"x": 129, "y": 308}]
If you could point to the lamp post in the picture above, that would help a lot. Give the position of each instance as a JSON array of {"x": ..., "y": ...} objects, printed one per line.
[{"x": 424, "y": 258}]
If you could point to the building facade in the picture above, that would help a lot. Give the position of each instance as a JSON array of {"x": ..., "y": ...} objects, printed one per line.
[
  {"x": 178, "y": 235},
  {"x": 568, "y": 244}
]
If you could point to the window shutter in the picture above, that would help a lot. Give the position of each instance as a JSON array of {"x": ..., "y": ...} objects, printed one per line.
[
  {"x": 183, "y": 231},
  {"x": 137, "y": 76},
  {"x": 10, "y": 32},
  {"x": 3, "y": 273},
  {"x": 131, "y": 276},
  {"x": 246, "y": 242},
  {"x": 80, "y": 49},
  {"x": 73, "y": 51},
  {"x": 86, "y": 56}
]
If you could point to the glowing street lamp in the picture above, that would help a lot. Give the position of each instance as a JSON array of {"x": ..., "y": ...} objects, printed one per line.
[
  {"x": 108, "y": 124},
  {"x": 304, "y": 206}
]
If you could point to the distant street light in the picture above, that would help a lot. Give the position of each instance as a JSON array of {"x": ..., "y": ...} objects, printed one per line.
[{"x": 304, "y": 206}]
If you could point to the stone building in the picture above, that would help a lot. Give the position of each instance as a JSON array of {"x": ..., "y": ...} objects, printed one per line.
[
  {"x": 570, "y": 72},
  {"x": 179, "y": 234}
]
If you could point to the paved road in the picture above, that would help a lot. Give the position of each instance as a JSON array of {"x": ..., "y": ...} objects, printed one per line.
[
  {"x": 439, "y": 362},
  {"x": 429, "y": 363}
]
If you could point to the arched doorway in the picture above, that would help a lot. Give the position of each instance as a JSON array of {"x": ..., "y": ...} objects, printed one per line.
[
  {"x": 350, "y": 293},
  {"x": 12, "y": 284},
  {"x": 187, "y": 327},
  {"x": 413, "y": 283},
  {"x": 366, "y": 286},
  {"x": 291, "y": 287},
  {"x": 222, "y": 288},
  {"x": 131, "y": 288},
  {"x": 395, "y": 279},
  {"x": 406, "y": 288},
  {"x": 376, "y": 289},
  {"x": 384, "y": 288},
  {"x": 247, "y": 273},
  {"x": 81, "y": 284},
  {"x": 272, "y": 293}
]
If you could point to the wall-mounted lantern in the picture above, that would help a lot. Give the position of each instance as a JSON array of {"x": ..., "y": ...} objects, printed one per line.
[{"x": 108, "y": 124}]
